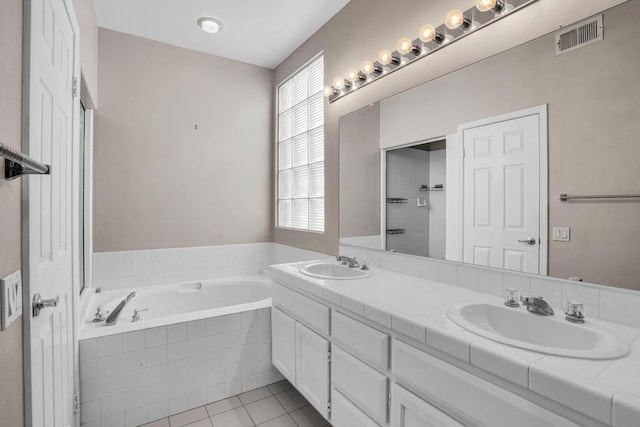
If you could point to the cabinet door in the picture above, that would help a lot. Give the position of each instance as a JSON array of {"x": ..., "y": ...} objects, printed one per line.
[
  {"x": 312, "y": 368},
  {"x": 346, "y": 414},
  {"x": 283, "y": 348},
  {"x": 408, "y": 410}
]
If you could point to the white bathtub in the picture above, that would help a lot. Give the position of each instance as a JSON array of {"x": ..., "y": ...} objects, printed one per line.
[{"x": 182, "y": 302}]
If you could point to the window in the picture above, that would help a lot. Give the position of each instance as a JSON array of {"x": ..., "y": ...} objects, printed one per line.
[{"x": 301, "y": 149}]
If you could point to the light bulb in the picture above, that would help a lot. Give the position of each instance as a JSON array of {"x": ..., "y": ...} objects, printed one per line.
[
  {"x": 404, "y": 46},
  {"x": 338, "y": 83},
  {"x": 454, "y": 19},
  {"x": 210, "y": 25},
  {"x": 427, "y": 33},
  {"x": 486, "y": 5},
  {"x": 367, "y": 67},
  {"x": 385, "y": 57},
  {"x": 328, "y": 91},
  {"x": 353, "y": 75}
]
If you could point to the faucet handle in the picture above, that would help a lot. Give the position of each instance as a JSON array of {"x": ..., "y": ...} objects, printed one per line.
[
  {"x": 574, "y": 312},
  {"x": 511, "y": 297},
  {"x": 364, "y": 264},
  {"x": 136, "y": 314},
  {"x": 99, "y": 315}
]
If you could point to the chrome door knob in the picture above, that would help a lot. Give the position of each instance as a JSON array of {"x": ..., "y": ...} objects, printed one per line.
[
  {"x": 38, "y": 303},
  {"x": 529, "y": 241}
]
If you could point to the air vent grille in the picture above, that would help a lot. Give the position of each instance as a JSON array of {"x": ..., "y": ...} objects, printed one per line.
[{"x": 579, "y": 35}]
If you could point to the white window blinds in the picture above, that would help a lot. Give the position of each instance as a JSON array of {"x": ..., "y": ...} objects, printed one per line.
[{"x": 301, "y": 149}]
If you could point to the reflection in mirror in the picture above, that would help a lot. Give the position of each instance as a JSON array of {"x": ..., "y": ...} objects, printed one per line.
[{"x": 588, "y": 124}]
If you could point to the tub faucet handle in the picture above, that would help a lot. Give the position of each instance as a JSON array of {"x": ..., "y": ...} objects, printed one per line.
[
  {"x": 99, "y": 314},
  {"x": 136, "y": 314}
]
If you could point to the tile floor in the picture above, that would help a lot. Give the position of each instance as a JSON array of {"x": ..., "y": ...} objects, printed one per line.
[{"x": 276, "y": 405}]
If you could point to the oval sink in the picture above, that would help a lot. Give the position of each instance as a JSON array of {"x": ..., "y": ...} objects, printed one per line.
[
  {"x": 334, "y": 271},
  {"x": 551, "y": 335}
]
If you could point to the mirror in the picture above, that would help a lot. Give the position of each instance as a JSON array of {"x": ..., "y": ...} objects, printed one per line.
[{"x": 470, "y": 166}]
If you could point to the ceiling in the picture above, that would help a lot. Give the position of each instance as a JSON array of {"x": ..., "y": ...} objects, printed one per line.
[{"x": 259, "y": 32}]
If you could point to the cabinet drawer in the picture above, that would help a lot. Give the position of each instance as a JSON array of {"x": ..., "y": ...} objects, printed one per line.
[
  {"x": 464, "y": 396},
  {"x": 408, "y": 410},
  {"x": 304, "y": 309},
  {"x": 361, "y": 384},
  {"x": 346, "y": 414},
  {"x": 361, "y": 340}
]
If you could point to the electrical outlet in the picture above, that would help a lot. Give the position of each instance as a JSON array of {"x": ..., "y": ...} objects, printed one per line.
[
  {"x": 10, "y": 298},
  {"x": 561, "y": 234}
]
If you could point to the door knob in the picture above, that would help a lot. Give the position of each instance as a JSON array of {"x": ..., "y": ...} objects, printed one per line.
[
  {"x": 39, "y": 303},
  {"x": 530, "y": 241}
]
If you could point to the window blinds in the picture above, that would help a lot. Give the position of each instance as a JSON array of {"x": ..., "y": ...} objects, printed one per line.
[{"x": 301, "y": 149}]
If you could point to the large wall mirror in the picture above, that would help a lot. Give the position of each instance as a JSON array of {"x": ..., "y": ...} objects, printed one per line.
[{"x": 470, "y": 166}]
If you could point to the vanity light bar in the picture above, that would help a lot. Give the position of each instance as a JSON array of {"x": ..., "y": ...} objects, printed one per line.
[{"x": 457, "y": 25}]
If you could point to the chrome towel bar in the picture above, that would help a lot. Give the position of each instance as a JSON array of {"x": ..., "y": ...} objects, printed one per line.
[
  {"x": 17, "y": 164},
  {"x": 565, "y": 197}
]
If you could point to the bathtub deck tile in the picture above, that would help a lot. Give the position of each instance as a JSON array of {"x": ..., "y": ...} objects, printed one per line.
[
  {"x": 176, "y": 333},
  {"x": 196, "y": 329}
]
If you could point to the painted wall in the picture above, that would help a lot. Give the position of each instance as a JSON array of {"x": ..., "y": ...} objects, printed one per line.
[
  {"x": 160, "y": 182},
  {"x": 86, "y": 14},
  {"x": 363, "y": 27},
  {"x": 11, "y": 397}
]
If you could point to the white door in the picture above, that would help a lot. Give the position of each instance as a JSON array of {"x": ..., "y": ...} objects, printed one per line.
[
  {"x": 48, "y": 241},
  {"x": 312, "y": 368},
  {"x": 502, "y": 194},
  {"x": 408, "y": 410},
  {"x": 283, "y": 348}
]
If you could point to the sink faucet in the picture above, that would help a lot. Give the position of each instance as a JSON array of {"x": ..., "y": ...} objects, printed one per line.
[
  {"x": 113, "y": 317},
  {"x": 345, "y": 260},
  {"x": 537, "y": 305}
]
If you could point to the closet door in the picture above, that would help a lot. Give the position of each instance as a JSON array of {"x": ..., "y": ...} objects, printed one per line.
[
  {"x": 312, "y": 368},
  {"x": 283, "y": 350}
]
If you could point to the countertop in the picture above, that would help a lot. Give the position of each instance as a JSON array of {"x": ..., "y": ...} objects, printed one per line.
[{"x": 605, "y": 390}]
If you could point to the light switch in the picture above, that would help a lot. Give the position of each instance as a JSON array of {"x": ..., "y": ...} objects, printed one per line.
[
  {"x": 11, "y": 298},
  {"x": 561, "y": 234}
]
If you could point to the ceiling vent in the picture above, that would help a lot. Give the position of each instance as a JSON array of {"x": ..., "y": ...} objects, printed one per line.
[{"x": 579, "y": 35}]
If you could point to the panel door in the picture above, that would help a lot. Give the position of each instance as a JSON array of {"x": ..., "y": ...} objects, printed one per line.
[
  {"x": 49, "y": 336},
  {"x": 408, "y": 410},
  {"x": 502, "y": 194},
  {"x": 283, "y": 349},
  {"x": 312, "y": 368}
]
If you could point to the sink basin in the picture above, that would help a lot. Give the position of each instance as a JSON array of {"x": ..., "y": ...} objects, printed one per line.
[
  {"x": 334, "y": 271},
  {"x": 550, "y": 335}
]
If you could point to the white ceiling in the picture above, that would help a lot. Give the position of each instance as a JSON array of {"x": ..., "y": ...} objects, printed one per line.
[{"x": 260, "y": 32}]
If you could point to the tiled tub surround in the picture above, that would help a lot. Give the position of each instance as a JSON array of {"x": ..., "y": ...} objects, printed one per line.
[
  {"x": 131, "y": 378},
  {"x": 130, "y": 269},
  {"x": 413, "y": 309}
]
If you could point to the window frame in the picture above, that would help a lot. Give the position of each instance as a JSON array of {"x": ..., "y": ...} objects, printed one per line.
[{"x": 276, "y": 192}]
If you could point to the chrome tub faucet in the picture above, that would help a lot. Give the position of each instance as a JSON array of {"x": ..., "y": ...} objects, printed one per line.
[{"x": 113, "y": 317}]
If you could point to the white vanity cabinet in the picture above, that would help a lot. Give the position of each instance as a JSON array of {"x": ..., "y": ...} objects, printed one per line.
[
  {"x": 283, "y": 344},
  {"x": 408, "y": 410},
  {"x": 312, "y": 368},
  {"x": 345, "y": 414}
]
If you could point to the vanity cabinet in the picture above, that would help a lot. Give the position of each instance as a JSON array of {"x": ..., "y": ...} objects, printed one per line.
[
  {"x": 408, "y": 410},
  {"x": 283, "y": 338},
  {"x": 346, "y": 414},
  {"x": 312, "y": 368}
]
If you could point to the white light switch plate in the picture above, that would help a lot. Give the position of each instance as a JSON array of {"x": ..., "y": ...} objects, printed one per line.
[
  {"x": 10, "y": 298},
  {"x": 561, "y": 234}
]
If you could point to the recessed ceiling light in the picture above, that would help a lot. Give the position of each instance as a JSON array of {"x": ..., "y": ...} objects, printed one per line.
[{"x": 210, "y": 25}]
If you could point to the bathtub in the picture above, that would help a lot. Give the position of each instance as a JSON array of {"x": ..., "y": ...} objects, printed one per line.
[{"x": 197, "y": 343}]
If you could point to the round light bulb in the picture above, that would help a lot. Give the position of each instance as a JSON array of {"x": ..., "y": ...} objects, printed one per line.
[
  {"x": 367, "y": 67},
  {"x": 454, "y": 19},
  {"x": 404, "y": 46},
  {"x": 384, "y": 57},
  {"x": 328, "y": 91},
  {"x": 486, "y": 5},
  {"x": 210, "y": 25},
  {"x": 353, "y": 75},
  {"x": 338, "y": 83},
  {"x": 427, "y": 33}
]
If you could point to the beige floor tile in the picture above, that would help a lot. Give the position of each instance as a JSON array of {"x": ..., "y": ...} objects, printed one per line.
[
  {"x": 308, "y": 417},
  {"x": 265, "y": 410},
  {"x": 202, "y": 423},
  {"x": 163, "y": 422},
  {"x": 188, "y": 417},
  {"x": 234, "y": 418},
  {"x": 254, "y": 395},
  {"x": 224, "y": 405},
  {"x": 280, "y": 386},
  {"x": 292, "y": 400},
  {"x": 283, "y": 421}
]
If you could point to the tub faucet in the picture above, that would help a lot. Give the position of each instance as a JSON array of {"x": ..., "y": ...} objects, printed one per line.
[
  {"x": 345, "y": 260},
  {"x": 537, "y": 305},
  {"x": 113, "y": 317}
]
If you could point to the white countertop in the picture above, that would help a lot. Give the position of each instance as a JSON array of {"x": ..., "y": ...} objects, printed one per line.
[{"x": 606, "y": 390}]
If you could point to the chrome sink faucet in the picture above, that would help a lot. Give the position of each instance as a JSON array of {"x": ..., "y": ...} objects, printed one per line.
[
  {"x": 345, "y": 260},
  {"x": 113, "y": 317},
  {"x": 537, "y": 305}
]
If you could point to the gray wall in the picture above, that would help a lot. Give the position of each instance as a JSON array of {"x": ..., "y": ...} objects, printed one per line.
[
  {"x": 161, "y": 183},
  {"x": 363, "y": 27},
  {"x": 11, "y": 397}
]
